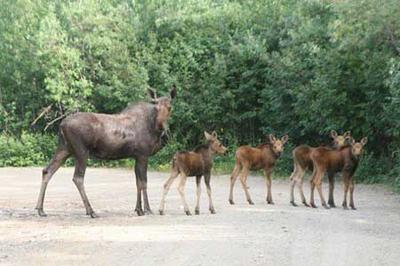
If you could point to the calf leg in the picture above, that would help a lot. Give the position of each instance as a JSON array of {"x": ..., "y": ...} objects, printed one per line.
[
  {"x": 351, "y": 186},
  {"x": 167, "y": 186},
  {"x": 303, "y": 198},
  {"x": 268, "y": 181},
  {"x": 181, "y": 189},
  {"x": 234, "y": 176},
  {"x": 331, "y": 201},
  {"x": 293, "y": 180},
  {"x": 198, "y": 192},
  {"x": 312, "y": 202},
  {"x": 207, "y": 178},
  {"x": 243, "y": 180},
  {"x": 141, "y": 166},
  {"x": 346, "y": 189},
  {"x": 79, "y": 174},
  {"x": 318, "y": 183},
  {"x": 58, "y": 159}
]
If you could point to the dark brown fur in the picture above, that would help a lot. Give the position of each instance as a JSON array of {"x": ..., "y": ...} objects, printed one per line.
[
  {"x": 196, "y": 163},
  {"x": 137, "y": 132},
  {"x": 264, "y": 157},
  {"x": 345, "y": 160}
]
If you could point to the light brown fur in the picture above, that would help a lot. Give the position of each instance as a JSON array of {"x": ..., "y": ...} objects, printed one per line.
[
  {"x": 303, "y": 163},
  {"x": 264, "y": 157},
  {"x": 330, "y": 161},
  {"x": 194, "y": 163}
]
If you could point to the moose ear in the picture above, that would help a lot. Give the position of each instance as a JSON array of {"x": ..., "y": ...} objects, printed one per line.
[
  {"x": 352, "y": 141},
  {"x": 285, "y": 138},
  {"x": 152, "y": 94},
  {"x": 272, "y": 138},
  {"x": 347, "y": 134},
  {"x": 208, "y": 136},
  {"x": 333, "y": 134},
  {"x": 364, "y": 141},
  {"x": 173, "y": 92},
  {"x": 214, "y": 134}
]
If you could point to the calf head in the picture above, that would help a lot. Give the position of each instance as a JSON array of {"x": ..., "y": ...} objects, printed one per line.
[
  {"x": 340, "y": 140},
  {"x": 216, "y": 146},
  {"x": 357, "y": 148},
  {"x": 278, "y": 144},
  {"x": 163, "y": 106}
]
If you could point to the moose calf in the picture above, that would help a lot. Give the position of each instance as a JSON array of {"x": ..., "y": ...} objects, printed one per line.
[
  {"x": 302, "y": 162},
  {"x": 344, "y": 159},
  {"x": 264, "y": 156},
  {"x": 194, "y": 163}
]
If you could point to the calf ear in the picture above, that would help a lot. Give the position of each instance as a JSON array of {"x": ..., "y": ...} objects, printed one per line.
[
  {"x": 208, "y": 136},
  {"x": 214, "y": 134},
  {"x": 152, "y": 94},
  {"x": 352, "y": 141},
  {"x": 272, "y": 138},
  {"x": 285, "y": 139},
  {"x": 173, "y": 92},
  {"x": 333, "y": 134},
  {"x": 347, "y": 134},
  {"x": 364, "y": 141}
]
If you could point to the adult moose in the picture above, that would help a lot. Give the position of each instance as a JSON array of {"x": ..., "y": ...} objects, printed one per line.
[
  {"x": 264, "y": 156},
  {"x": 302, "y": 163},
  {"x": 137, "y": 132},
  {"x": 330, "y": 161}
]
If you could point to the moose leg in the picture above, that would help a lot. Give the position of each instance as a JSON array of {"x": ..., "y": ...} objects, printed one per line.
[
  {"x": 198, "y": 192},
  {"x": 346, "y": 182},
  {"x": 351, "y": 186},
  {"x": 293, "y": 181},
  {"x": 138, "y": 208},
  {"x": 319, "y": 188},
  {"x": 207, "y": 178},
  {"x": 79, "y": 174},
  {"x": 331, "y": 202},
  {"x": 300, "y": 184},
  {"x": 268, "y": 181},
  {"x": 167, "y": 186},
  {"x": 234, "y": 176},
  {"x": 181, "y": 189},
  {"x": 59, "y": 158},
  {"x": 243, "y": 180}
]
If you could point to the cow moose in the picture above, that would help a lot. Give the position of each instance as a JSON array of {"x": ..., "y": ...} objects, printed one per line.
[
  {"x": 194, "y": 163},
  {"x": 137, "y": 132},
  {"x": 264, "y": 156},
  {"x": 345, "y": 160},
  {"x": 302, "y": 163}
]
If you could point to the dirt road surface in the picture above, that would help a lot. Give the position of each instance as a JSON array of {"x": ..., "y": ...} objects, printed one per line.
[{"x": 237, "y": 235}]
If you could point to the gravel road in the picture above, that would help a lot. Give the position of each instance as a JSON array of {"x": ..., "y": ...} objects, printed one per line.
[{"x": 237, "y": 235}]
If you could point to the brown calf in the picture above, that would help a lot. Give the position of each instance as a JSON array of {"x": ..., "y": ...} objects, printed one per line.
[
  {"x": 264, "y": 157},
  {"x": 302, "y": 162},
  {"x": 194, "y": 163},
  {"x": 344, "y": 159}
]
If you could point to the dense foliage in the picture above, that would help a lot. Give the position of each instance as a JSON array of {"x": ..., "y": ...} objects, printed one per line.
[{"x": 243, "y": 68}]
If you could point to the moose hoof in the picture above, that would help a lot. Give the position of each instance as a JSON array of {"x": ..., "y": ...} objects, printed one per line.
[
  {"x": 161, "y": 212},
  {"x": 353, "y": 208},
  {"x": 326, "y": 206},
  {"x": 306, "y": 204},
  {"x": 293, "y": 203},
  {"x": 332, "y": 205},
  {"x": 312, "y": 204},
  {"x": 271, "y": 202},
  {"x": 148, "y": 212},
  {"x": 139, "y": 212},
  {"x": 41, "y": 213},
  {"x": 197, "y": 212},
  {"x": 251, "y": 202},
  {"x": 93, "y": 215},
  {"x": 231, "y": 202},
  {"x": 212, "y": 211},
  {"x": 188, "y": 213}
]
